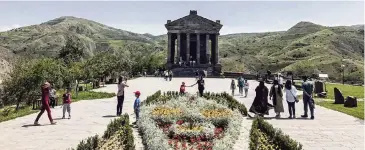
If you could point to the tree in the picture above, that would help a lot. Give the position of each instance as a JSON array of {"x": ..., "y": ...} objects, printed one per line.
[
  {"x": 73, "y": 51},
  {"x": 28, "y": 75}
]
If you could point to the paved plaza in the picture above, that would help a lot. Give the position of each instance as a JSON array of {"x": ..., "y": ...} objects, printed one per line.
[{"x": 330, "y": 130}]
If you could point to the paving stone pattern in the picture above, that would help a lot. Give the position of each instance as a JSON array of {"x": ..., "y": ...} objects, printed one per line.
[{"x": 330, "y": 129}]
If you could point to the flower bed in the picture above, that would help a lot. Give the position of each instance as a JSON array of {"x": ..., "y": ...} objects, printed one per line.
[
  {"x": 173, "y": 121},
  {"x": 117, "y": 136},
  {"x": 263, "y": 136}
]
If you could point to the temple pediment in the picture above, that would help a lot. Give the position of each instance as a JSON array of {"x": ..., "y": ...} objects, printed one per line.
[{"x": 194, "y": 22}]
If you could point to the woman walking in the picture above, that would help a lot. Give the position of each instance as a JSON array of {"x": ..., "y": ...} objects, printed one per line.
[
  {"x": 120, "y": 95},
  {"x": 260, "y": 105},
  {"x": 45, "y": 104},
  {"x": 291, "y": 98},
  {"x": 277, "y": 98}
]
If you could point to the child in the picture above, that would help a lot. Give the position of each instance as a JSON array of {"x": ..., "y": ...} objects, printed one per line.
[
  {"x": 246, "y": 87},
  {"x": 182, "y": 88},
  {"x": 137, "y": 105},
  {"x": 67, "y": 103},
  {"x": 233, "y": 87}
]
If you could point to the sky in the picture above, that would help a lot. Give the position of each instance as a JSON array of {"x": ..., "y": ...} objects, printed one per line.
[{"x": 150, "y": 17}]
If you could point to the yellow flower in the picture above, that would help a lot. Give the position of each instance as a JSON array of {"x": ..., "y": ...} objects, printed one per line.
[
  {"x": 215, "y": 113},
  {"x": 165, "y": 111}
]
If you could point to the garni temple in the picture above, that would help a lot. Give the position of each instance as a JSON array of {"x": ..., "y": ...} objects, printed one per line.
[{"x": 193, "y": 45}]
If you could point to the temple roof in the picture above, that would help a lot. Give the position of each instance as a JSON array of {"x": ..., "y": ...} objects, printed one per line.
[{"x": 193, "y": 22}]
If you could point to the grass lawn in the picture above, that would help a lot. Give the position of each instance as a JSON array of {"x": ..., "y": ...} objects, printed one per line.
[
  {"x": 357, "y": 112},
  {"x": 346, "y": 90},
  {"x": 8, "y": 113}
]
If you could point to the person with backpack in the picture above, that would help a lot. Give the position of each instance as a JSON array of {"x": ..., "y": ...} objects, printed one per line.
[
  {"x": 240, "y": 85},
  {"x": 246, "y": 87}
]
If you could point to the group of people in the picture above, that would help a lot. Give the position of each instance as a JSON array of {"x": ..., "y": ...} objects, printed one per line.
[
  {"x": 168, "y": 75},
  {"x": 48, "y": 99},
  {"x": 261, "y": 106},
  {"x": 242, "y": 84}
]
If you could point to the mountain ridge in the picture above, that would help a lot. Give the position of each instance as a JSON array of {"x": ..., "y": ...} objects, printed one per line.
[{"x": 279, "y": 50}]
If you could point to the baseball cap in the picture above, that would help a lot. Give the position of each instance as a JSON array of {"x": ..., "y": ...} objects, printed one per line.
[{"x": 137, "y": 92}]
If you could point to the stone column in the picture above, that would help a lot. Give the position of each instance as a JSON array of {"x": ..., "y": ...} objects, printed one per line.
[
  {"x": 187, "y": 47},
  {"x": 178, "y": 47},
  {"x": 216, "y": 49},
  {"x": 207, "y": 48},
  {"x": 198, "y": 49},
  {"x": 169, "y": 48}
]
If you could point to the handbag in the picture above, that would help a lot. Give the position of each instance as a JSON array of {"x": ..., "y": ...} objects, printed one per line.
[{"x": 295, "y": 98}]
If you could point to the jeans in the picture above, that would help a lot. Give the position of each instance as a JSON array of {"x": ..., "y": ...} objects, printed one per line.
[
  {"x": 240, "y": 89},
  {"x": 136, "y": 111},
  {"x": 45, "y": 107},
  {"x": 120, "y": 104},
  {"x": 306, "y": 101},
  {"x": 201, "y": 92},
  {"x": 291, "y": 106},
  {"x": 68, "y": 108},
  {"x": 246, "y": 92}
]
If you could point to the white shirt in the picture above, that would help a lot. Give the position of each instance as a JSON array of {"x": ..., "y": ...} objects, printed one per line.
[
  {"x": 289, "y": 95},
  {"x": 281, "y": 80},
  {"x": 121, "y": 87}
]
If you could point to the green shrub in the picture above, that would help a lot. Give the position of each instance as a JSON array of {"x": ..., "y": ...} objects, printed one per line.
[
  {"x": 264, "y": 136},
  {"x": 119, "y": 128},
  {"x": 91, "y": 143}
]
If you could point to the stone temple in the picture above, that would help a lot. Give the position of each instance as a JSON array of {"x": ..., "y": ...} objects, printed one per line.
[{"x": 193, "y": 45}]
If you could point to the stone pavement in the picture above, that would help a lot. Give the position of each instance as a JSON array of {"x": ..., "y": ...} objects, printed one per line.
[{"x": 330, "y": 129}]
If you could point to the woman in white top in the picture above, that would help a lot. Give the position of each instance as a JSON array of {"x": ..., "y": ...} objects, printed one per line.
[
  {"x": 291, "y": 97},
  {"x": 120, "y": 95}
]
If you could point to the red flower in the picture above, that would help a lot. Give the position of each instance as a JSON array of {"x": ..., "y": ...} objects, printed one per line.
[{"x": 180, "y": 122}]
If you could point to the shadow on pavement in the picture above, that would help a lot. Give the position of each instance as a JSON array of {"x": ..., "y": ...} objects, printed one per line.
[
  {"x": 109, "y": 116},
  {"x": 57, "y": 119},
  {"x": 33, "y": 125}
]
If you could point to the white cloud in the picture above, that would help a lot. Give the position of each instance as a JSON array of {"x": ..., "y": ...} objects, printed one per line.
[{"x": 9, "y": 27}]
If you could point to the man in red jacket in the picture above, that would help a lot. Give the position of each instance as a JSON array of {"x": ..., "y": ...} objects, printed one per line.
[{"x": 45, "y": 104}]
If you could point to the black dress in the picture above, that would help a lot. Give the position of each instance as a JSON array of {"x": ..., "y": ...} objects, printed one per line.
[{"x": 260, "y": 104}]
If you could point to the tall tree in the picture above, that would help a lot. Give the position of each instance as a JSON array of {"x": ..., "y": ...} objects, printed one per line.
[{"x": 73, "y": 51}]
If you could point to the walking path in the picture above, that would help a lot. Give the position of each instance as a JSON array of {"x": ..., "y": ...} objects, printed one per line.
[{"x": 330, "y": 129}]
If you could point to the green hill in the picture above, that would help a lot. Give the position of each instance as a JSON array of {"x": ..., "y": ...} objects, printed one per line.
[{"x": 305, "y": 48}]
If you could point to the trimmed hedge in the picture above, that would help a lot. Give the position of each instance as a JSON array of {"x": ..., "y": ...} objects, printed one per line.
[
  {"x": 118, "y": 128},
  {"x": 263, "y": 136}
]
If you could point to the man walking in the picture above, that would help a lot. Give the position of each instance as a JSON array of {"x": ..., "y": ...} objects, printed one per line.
[
  {"x": 307, "y": 97},
  {"x": 45, "y": 104}
]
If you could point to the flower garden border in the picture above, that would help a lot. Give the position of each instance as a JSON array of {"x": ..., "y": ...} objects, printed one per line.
[
  {"x": 118, "y": 129},
  {"x": 263, "y": 136},
  {"x": 154, "y": 138}
]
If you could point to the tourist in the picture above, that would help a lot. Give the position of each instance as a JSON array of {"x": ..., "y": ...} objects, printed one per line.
[
  {"x": 201, "y": 85},
  {"x": 182, "y": 88},
  {"x": 260, "y": 105},
  {"x": 233, "y": 87},
  {"x": 120, "y": 95},
  {"x": 241, "y": 82},
  {"x": 246, "y": 87},
  {"x": 276, "y": 95},
  {"x": 45, "y": 104},
  {"x": 52, "y": 96},
  {"x": 67, "y": 103},
  {"x": 170, "y": 75},
  {"x": 281, "y": 81},
  {"x": 166, "y": 73},
  {"x": 136, "y": 105},
  {"x": 291, "y": 98},
  {"x": 307, "y": 97}
]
